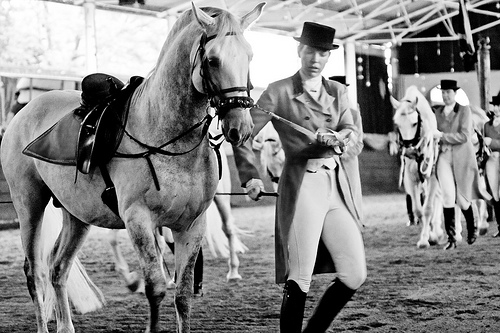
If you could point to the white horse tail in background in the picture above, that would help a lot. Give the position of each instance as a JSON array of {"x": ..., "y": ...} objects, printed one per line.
[{"x": 82, "y": 292}]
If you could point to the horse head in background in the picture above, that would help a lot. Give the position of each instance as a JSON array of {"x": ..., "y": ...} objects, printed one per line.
[
  {"x": 416, "y": 125},
  {"x": 165, "y": 174}
]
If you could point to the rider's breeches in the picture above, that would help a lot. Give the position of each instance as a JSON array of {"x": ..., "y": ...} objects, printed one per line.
[
  {"x": 447, "y": 181},
  {"x": 322, "y": 214},
  {"x": 492, "y": 170}
]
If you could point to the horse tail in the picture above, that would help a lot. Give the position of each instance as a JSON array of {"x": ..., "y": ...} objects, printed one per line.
[{"x": 82, "y": 292}]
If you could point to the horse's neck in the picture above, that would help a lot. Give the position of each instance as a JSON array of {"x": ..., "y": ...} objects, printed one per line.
[{"x": 166, "y": 103}]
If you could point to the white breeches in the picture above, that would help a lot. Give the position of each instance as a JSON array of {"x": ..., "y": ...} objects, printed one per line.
[
  {"x": 321, "y": 214},
  {"x": 492, "y": 170},
  {"x": 446, "y": 177}
]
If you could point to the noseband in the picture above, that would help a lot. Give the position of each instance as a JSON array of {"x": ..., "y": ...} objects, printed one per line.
[
  {"x": 416, "y": 139},
  {"x": 221, "y": 104}
]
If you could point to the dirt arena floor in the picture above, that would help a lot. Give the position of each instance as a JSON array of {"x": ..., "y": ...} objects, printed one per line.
[{"x": 407, "y": 290}]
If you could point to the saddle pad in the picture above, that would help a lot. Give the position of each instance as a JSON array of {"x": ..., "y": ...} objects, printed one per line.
[{"x": 57, "y": 145}]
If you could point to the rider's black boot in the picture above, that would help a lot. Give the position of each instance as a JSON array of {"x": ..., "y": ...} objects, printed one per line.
[
  {"x": 333, "y": 300},
  {"x": 449, "y": 225},
  {"x": 198, "y": 275},
  {"x": 292, "y": 308},
  {"x": 471, "y": 225},
  {"x": 496, "y": 209},
  {"x": 409, "y": 209}
]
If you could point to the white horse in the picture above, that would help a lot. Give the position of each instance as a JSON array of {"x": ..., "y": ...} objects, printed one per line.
[
  {"x": 272, "y": 155},
  {"x": 417, "y": 124},
  {"x": 164, "y": 171},
  {"x": 479, "y": 118}
]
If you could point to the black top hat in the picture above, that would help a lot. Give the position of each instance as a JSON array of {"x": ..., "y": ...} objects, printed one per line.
[
  {"x": 449, "y": 84},
  {"x": 340, "y": 79},
  {"x": 495, "y": 100},
  {"x": 318, "y": 36}
]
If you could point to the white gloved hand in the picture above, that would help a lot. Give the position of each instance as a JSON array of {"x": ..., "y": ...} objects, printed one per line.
[
  {"x": 253, "y": 188},
  {"x": 437, "y": 134},
  {"x": 337, "y": 140},
  {"x": 487, "y": 140}
]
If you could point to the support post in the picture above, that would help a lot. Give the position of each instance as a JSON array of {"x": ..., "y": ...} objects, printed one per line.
[
  {"x": 484, "y": 72},
  {"x": 350, "y": 73},
  {"x": 90, "y": 36}
]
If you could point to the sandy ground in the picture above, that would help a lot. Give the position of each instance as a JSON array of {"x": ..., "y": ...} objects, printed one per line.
[{"x": 407, "y": 290}]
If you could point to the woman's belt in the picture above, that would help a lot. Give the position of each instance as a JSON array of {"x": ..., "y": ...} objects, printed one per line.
[{"x": 314, "y": 164}]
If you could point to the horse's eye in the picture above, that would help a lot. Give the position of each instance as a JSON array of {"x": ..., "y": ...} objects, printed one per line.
[{"x": 214, "y": 62}]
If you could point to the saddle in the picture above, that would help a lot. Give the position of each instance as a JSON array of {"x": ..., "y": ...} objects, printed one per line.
[{"x": 90, "y": 134}]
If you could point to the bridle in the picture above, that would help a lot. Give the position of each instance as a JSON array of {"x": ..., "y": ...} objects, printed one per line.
[
  {"x": 418, "y": 148},
  {"x": 216, "y": 97}
]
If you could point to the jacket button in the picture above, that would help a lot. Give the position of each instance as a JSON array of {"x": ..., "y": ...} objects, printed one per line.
[{"x": 307, "y": 118}]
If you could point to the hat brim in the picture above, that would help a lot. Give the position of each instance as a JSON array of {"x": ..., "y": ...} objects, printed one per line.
[
  {"x": 327, "y": 47},
  {"x": 452, "y": 88}
]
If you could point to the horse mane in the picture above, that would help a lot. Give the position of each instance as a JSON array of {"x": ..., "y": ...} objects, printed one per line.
[{"x": 225, "y": 24}]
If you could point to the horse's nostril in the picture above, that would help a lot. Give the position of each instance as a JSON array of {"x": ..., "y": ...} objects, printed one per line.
[{"x": 233, "y": 135}]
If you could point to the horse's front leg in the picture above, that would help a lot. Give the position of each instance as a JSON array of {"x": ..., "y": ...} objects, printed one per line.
[
  {"x": 142, "y": 234},
  {"x": 187, "y": 246}
]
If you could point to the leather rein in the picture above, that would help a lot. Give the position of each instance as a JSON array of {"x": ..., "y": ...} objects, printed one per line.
[{"x": 216, "y": 98}]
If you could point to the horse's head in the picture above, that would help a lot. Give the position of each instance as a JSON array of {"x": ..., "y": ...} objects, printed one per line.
[
  {"x": 221, "y": 68},
  {"x": 407, "y": 119}
]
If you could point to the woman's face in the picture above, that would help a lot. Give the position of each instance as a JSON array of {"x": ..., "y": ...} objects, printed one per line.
[
  {"x": 448, "y": 96},
  {"x": 313, "y": 60}
]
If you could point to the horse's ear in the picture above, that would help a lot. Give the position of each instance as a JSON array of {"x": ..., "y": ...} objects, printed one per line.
[
  {"x": 395, "y": 103},
  {"x": 252, "y": 16},
  {"x": 203, "y": 18}
]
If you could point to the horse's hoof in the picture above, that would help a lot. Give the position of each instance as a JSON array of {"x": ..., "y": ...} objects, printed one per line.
[
  {"x": 198, "y": 290},
  {"x": 423, "y": 245},
  {"x": 450, "y": 246},
  {"x": 134, "y": 281},
  {"x": 483, "y": 231},
  {"x": 233, "y": 278}
]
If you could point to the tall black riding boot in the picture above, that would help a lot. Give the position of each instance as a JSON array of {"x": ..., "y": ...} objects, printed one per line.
[
  {"x": 449, "y": 225},
  {"x": 496, "y": 209},
  {"x": 471, "y": 225},
  {"x": 198, "y": 275},
  {"x": 292, "y": 308},
  {"x": 409, "y": 209},
  {"x": 333, "y": 300}
]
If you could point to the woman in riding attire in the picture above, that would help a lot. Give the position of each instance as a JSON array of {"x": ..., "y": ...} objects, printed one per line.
[{"x": 318, "y": 227}]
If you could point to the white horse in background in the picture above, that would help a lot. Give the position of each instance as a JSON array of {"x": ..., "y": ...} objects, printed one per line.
[
  {"x": 417, "y": 124},
  {"x": 272, "y": 155},
  {"x": 479, "y": 118}
]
